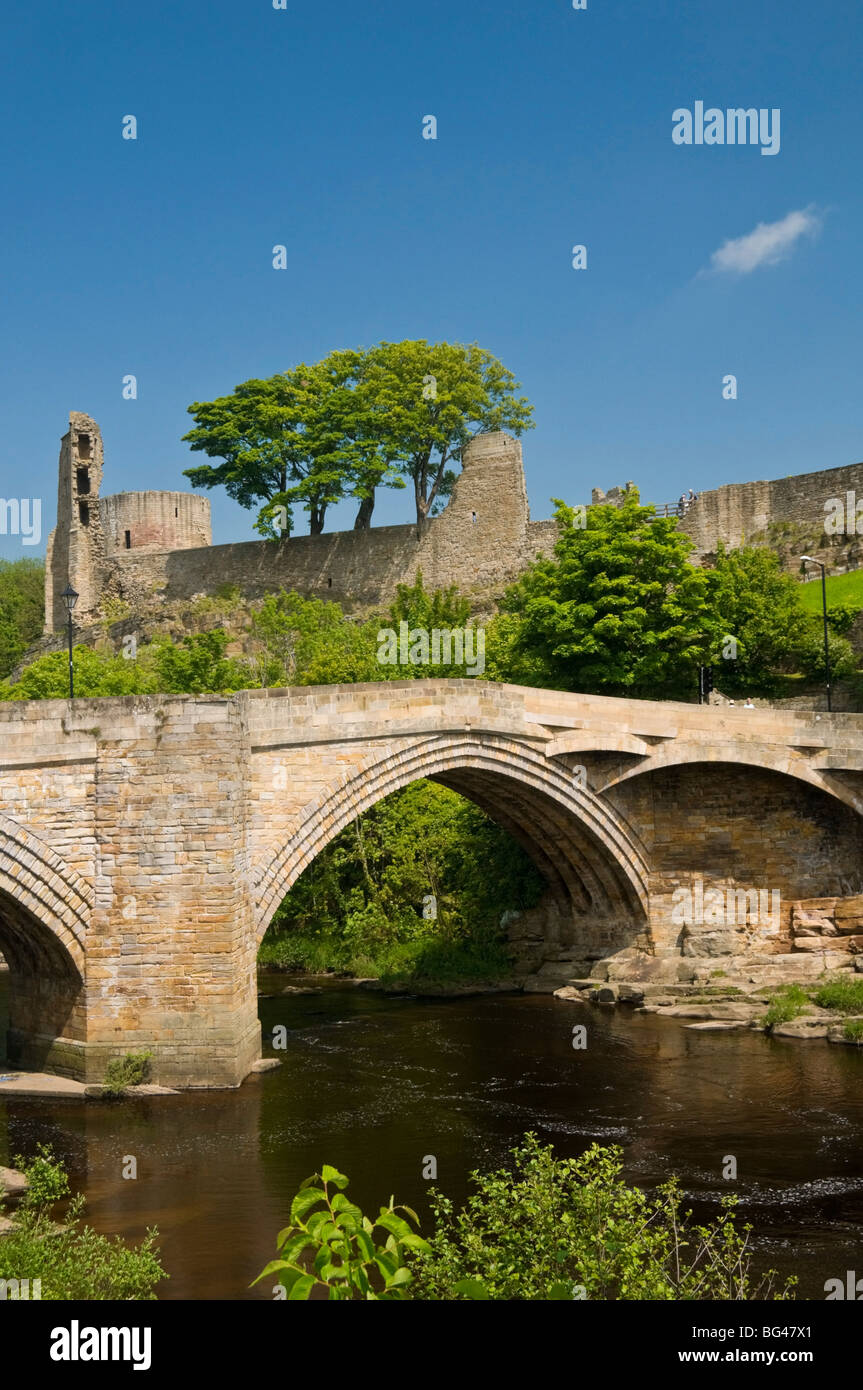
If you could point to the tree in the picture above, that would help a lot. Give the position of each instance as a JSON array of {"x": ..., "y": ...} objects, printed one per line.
[
  {"x": 618, "y": 608},
  {"x": 425, "y": 401},
  {"x": 759, "y": 606},
  {"x": 290, "y": 439},
  {"x": 22, "y": 609}
]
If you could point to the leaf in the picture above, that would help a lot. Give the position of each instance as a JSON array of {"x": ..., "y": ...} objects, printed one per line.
[
  {"x": 412, "y": 1242},
  {"x": 393, "y": 1223},
  {"x": 302, "y": 1288},
  {"x": 472, "y": 1288},
  {"x": 402, "y": 1276},
  {"x": 330, "y": 1174},
  {"x": 271, "y": 1268},
  {"x": 294, "y": 1247},
  {"x": 365, "y": 1244},
  {"x": 304, "y": 1201},
  {"x": 386, "y": 1263}
]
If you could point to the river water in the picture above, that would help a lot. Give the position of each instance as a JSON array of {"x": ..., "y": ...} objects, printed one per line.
[{"x": 374, "y": 1084}]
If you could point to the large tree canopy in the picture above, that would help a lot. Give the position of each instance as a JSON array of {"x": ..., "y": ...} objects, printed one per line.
[
  {"x": 353, "y": 422},
  {"x": 618, "y": 608},
  {"x": 426, "y": 401},
  {"x": 293, "y": 438}
]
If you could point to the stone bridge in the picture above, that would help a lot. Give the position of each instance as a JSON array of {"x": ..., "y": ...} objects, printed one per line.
[{"x": 145, "y": 842}]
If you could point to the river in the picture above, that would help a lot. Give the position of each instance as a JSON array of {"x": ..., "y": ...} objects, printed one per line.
[{"x": 373, "y": 1084}]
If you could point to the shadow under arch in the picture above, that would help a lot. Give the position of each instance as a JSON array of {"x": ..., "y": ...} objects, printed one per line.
[
  {"x": 594, "y": 864},
  {"x": 44, "y": 911}
]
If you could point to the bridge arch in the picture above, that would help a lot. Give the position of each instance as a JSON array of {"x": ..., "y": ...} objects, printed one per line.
[
  {"x": 44, "y": 912},
  {"x": 592, "y": 860}
]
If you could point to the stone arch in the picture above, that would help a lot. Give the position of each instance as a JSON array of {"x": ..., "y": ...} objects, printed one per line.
[
  {"x": 768, "y": 759},
  {"x": 35, "y": 877},
  {"x": 591, "y": 858},
  {"x": 44, "y": 912}
]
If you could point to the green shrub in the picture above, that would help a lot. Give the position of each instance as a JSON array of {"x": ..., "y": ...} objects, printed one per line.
[
  {"x": 72, "y": 1261},
  {"x": 563, "y": 1228},
  {"x": 853, "y": 1029},
  {"x": 131, "y": 1070},
  {"x": 844, "y": 995},
  {"x": 788, "y": 1002}
]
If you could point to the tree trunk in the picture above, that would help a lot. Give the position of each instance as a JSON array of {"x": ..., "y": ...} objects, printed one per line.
[{"x": 364, "y": 515}]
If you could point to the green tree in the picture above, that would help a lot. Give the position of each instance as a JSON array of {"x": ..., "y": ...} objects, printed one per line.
[
  {"x": 198, "y": 665},
  {"x": 96, "y": 673},
  {"x": 302, "y": 437},
  {"x": 22, "y": 609},
  {"x": 758, "y": 605},
  {"x": 617, "y": 609},
  {"x": 427, "y": 400}
]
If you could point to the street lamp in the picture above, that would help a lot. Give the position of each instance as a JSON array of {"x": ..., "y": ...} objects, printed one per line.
[
  {"x": 808, "y": 559},
  {"x": 70, "y": 598}
]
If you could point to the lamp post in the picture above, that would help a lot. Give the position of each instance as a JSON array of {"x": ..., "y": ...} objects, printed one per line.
[
  {"x": 807, "y": 559},
  {"x": 70, "y": 598}
]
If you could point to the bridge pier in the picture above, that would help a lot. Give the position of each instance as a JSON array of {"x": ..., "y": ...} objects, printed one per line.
[{"x": 171, "y": 947}]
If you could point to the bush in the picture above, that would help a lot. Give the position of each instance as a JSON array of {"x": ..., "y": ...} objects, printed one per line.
[
  {"x": 131, "y": 1070},
  {"x": 853, "y": 1030},
  {"x": 72, "y": 1261},
  {"x": 562, "y": 1228}
]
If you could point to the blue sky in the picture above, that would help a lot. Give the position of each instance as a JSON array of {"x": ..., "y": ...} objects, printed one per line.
[{"x": 303, "y": 126}]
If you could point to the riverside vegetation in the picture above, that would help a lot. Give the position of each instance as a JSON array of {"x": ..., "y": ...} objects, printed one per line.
[
  {"x": 544, "y": 1229},
  {"x": 71, "y": 1260}
]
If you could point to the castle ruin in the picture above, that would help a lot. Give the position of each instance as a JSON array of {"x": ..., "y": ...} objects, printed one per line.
[
  {"x": 149, "y": 548},
  {"x": 146, "y": 547}
]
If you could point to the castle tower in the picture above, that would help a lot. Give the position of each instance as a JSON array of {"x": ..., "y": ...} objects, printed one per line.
[
  {"x": 479, "y": 539},
  {"x": 76, "y": 545}
]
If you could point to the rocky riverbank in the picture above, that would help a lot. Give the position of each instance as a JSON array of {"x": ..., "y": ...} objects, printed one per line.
[{"x": 814, "y": 995}]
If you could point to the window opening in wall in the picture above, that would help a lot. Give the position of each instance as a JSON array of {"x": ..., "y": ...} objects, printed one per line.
[
  {"x": 82, "y": 479},
  {"x": 84, "y": 513},
  {"x": 128, "y": 540},
  {"x": 330, "y": 582},
  {"x": 83, "y": 446},
  {"x": 473, "y": 517},
  {"x": 176, "y": 511}
]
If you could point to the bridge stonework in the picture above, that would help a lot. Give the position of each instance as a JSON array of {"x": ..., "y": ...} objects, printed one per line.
[{"x": 145, "y": 842}]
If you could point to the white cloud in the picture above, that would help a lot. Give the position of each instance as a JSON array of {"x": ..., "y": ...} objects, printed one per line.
[{"x": 769, "y": 243}]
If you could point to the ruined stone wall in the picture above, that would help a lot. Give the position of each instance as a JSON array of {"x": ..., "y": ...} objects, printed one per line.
[
  {"x": 155, "y": 521},
  {"x": 741, "y": 513},
  {"x": 481, "y": 541}
]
